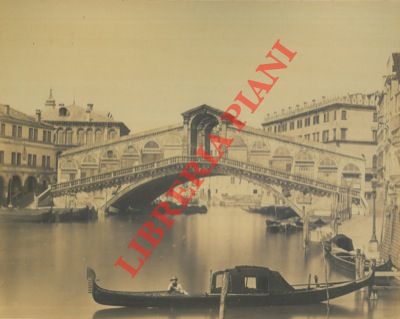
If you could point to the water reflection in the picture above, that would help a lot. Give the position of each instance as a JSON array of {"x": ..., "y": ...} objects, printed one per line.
[{"x": 43, "y": 267}]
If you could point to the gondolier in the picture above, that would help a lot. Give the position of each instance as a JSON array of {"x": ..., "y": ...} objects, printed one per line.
[{"x": 175, "y": 287}]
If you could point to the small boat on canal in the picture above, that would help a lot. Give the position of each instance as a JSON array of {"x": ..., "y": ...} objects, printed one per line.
[
  {"x": 248, "y": 286},
  {"x": 340, "y": 251}
]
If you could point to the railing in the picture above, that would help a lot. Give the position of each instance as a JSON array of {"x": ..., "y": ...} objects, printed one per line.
[{"x": 246, "y": 167}]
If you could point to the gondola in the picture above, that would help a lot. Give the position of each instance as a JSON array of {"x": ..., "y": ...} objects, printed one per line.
[
  {"x": 248, "y": 286},
  {"x": 340, "y": 252}
]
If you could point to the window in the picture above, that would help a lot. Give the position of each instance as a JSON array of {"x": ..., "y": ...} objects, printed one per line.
[
  {"x": 334, "y": 134},
  {"x": 299, "y": 123},
  {"x": 316, "y": 136},
  {"x": 291, "y": 126},
  {"x": 68, "y": 136},
  {"x": 19, "y": 132},
  {"x": 46, "y": 136},
  {"x": 1, "y": 157},
  {"x": 374, "y": 162},
  {"x": 3, "y": 129},
  {"x": 344, "y": 115},
  {"x": 31, "y": 160},
  {"x": 326, "y": 117},
  {"x": 334, "y": 115},
  {"x": 307, "y": 137},
  {"x": 316, "y": 119},
  {"x": 81, "y": 137},
  {"x": 325, "y": 136},
  {"x": 343, "y": 133},
  {"x": 33, "y": 134},
  {"x": 62, "y": 111},
  {"x": 307, "y": 121},
  {"x": 14, "y": 131},
  {"x": 275, "y": 129},
  {"x": 375, "y": 117},
  {"x": 254, "y": 191},
  {"x": 15, "y": 158},
  {"x": 250, "y": 282},
  {"x": 45, "y": 161},
  {"x": 374, "y": 135}
]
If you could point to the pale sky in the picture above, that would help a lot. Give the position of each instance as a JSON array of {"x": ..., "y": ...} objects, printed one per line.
[{"x": 148, "y": 61}]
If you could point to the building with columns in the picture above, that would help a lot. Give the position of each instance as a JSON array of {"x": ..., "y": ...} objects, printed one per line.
[
  {"x": 27, "y": 156},
  {"x": 344, "y": 124},
  {"x": 77, "y": 126}
]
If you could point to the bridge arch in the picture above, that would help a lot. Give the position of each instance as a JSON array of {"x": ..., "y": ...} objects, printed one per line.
[
  {"x": 151, "y": 152},
  {"x": 351, "y": 176},
  {"x": 130, "y": 157},
  {"x": 327, "y": 170},
  {"x": 304, "y": 164},
  {"x": 282, "y": 159},
  {"x": 109, "y": 161},
  {"x": 200, "y": 126},
  {"x": 260, "y": 152}
]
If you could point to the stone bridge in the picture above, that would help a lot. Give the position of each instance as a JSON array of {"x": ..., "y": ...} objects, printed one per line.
[{"x": 140, "y": 167}]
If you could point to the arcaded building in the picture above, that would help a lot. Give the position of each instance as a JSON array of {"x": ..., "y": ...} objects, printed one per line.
[
  {"x": 76, "y": 125},
  {"x": 27, "y": 156}
]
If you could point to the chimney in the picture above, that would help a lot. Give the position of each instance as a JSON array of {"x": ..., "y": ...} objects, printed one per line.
[
  {"x": 38, "y": 115},
  {"x": 7, "y": 109}
]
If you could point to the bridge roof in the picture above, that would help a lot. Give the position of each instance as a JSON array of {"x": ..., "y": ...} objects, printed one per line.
[{"x": 202, "y": 108}]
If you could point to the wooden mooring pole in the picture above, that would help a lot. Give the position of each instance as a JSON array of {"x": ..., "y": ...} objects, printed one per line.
[
  {"x": 306, "y": 230},
  {"x": 224, "y": 292}
]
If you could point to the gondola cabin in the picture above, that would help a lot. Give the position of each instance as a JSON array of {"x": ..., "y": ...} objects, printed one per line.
[{"x": 250, "y": 280}]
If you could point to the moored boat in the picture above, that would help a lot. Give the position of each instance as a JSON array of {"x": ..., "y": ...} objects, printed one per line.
[
  {"x": 248, "y": 286},
  {"x": 340, "y": 251}
]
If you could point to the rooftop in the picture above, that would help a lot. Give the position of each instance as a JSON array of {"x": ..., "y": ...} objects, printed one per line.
[
  {"x": 356, "y": 99},
  {"x": 11, "y": 114}
]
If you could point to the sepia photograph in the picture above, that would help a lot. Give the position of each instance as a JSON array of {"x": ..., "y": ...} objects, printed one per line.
[{"x": 199, "y": 159}]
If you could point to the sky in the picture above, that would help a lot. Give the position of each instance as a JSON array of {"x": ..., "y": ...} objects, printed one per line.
[{"x": 148, "y": 61}]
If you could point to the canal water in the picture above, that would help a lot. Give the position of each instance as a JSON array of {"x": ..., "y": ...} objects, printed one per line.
[{"x": 43, "y": 267}]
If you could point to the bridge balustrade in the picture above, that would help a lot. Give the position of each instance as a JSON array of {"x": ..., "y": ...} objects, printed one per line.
[{"x": 228, "y": 162}]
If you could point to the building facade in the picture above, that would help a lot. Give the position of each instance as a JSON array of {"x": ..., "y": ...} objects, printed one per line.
[
  {"x": 344, "y": 124},
  {"x": 388, "y": 166},
  {"x": 27, "y": 156},
  {"x": 78, "y": 126}
]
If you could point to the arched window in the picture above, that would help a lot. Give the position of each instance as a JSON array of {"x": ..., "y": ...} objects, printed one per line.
[
  {"x": 60, "y": 136},
  {"x": 81, "y": 137},
  {"x": 63, "y": 111},
  {"x": 68, "y": 134},
  {"x": 98, "y": 136},
  {"x": 111, "y": 134},
  {"x": 89, "y": 136}
]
